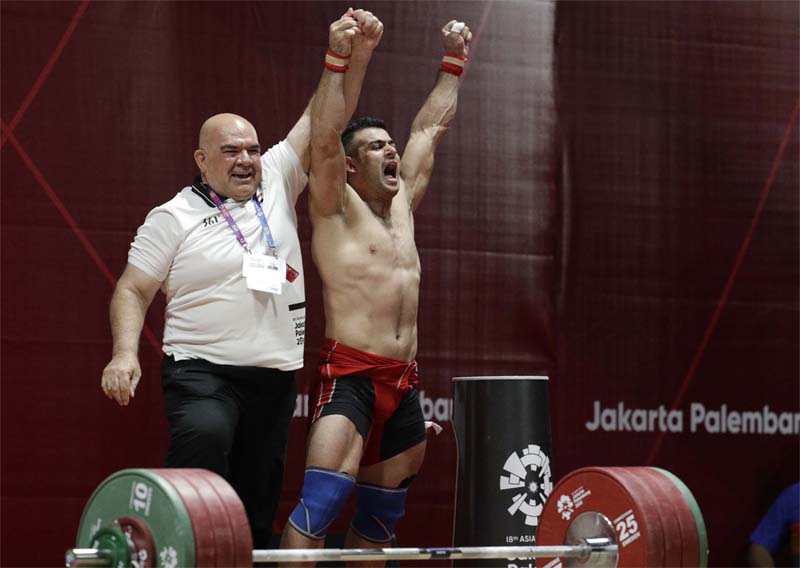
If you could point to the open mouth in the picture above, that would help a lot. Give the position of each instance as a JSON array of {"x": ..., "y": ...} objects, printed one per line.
[
  {"x": 390, "y": 171},
  {"x": 243, "y": 176}
]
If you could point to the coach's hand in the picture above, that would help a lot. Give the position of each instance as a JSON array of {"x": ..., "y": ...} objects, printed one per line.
[
  {"x": 120, "y": 377},
  {"x": 341, "y": 32}
]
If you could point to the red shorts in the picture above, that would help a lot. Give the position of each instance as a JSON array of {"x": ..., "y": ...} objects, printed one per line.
[{"x": 377, "y": 394}]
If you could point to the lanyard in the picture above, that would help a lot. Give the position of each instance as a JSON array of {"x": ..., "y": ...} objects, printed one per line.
[{"x": 270, "y": 242}]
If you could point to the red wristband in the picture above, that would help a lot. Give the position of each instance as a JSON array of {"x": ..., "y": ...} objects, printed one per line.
[
  {"x": 453, "y": 63},
  {"x": 335, "y": 62}
]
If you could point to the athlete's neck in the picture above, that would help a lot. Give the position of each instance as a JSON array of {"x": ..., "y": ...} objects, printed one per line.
[{"x": 381, "y": 209}]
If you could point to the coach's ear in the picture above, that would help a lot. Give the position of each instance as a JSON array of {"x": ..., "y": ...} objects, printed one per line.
[{"x": 200, "y": 160}]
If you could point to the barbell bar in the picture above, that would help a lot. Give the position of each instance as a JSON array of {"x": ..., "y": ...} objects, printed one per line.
[
  {"x": 191, "y": 517},
  {"x": 593, "y": 548}
]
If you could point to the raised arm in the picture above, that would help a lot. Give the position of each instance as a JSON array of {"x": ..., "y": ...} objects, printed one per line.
[
  {"x": 132, "y": 296},
  {"x": 300, "y": 135},
  {"x": 327, "y": 181},
  {"x": 329, "y": 116},
  {"x": 434, "y": 118}
]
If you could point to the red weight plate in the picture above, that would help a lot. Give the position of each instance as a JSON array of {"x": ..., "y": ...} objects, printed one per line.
[
  {"x": 690, "y": 547},
  {"x": 202, "y": 523},
  {"x": 596, "y": 489},
  {"x": 700, "y": 525},
  {"x": 243, "y": 539},
  {"x": 650, "y": 512},
  {"x": 223, "y": 532},
  {"x": 652, "y": 491}
]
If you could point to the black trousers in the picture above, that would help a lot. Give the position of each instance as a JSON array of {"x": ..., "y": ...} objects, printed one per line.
[{"x": 235, "y": 422}]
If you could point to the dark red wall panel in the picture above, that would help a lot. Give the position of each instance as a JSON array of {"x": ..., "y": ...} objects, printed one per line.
[
  {"x": 110, "y": 134},
  {"x": 672, "y": 117},
  {"x": 586, "y": 211}
]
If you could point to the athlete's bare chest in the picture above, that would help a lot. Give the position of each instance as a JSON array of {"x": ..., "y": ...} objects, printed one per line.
[{"x": 389, "y": 241}]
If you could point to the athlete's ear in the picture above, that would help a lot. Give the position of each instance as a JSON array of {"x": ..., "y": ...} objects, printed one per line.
[{"x": 350, "y": 165}]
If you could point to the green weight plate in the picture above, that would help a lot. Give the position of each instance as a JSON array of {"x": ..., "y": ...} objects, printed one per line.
[
  {"x": 147, "y": 496},
  {"x": 702, "y": 535}
]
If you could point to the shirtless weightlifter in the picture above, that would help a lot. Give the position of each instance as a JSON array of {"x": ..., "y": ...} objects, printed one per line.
[{"x": 368, "y": 429}]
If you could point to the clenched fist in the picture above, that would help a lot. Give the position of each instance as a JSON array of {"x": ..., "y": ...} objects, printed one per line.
[
  {"x": 341, "y": 32},
  {"x": 456, "y": 37},
  {"x": 371, "y": 30}
]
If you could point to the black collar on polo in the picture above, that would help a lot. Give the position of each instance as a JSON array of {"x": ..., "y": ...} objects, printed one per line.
[{"x": 200, "y": 189}]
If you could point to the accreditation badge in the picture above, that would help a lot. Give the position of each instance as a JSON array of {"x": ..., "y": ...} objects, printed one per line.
[{"x": 264, "y": 273}]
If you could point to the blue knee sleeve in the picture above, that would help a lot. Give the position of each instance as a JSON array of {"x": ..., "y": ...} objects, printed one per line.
[
  {"x": 323, "y": 496},
  {"x": 377, "y": 512}
]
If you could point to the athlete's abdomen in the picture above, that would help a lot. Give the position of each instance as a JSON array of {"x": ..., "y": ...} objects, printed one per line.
[{"x": 371, "y": 294}]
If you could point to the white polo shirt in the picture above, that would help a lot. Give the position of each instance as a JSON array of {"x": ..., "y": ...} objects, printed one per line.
[{"x": 211, "y": 314}]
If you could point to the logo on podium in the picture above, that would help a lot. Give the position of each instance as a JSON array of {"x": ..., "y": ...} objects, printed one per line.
[{"x": 528, "y": 477}]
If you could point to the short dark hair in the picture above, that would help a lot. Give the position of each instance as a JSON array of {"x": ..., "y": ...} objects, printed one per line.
[{"x": 355, "y": 126}]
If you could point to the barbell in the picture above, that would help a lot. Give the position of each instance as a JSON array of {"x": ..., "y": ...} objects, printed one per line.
[{"x": 596, "y": 516}]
